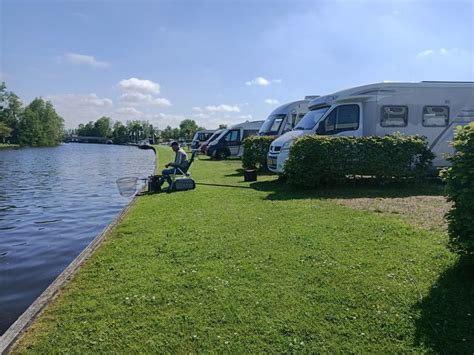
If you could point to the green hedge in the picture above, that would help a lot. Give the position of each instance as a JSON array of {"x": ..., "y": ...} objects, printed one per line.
[
  {"x": 255, "y": 152},
  {"x": 460, "y": 189},
  {"x": 324, "y": 160}
]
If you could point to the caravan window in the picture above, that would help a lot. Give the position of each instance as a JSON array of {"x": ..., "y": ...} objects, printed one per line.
[
  {"x": 394, "y": 116},
  {"x": 342, "y": 118},
  {"x": 232, "y": 136},
  {"x": 435, "y": 116},
  {"x": 347, "y": 118}
]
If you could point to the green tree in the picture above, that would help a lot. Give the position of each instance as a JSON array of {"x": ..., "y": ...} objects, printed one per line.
[
  {"x": 103, "y": 127},
  {"x": 188, "y": 128},
  {"x": 119, "y": 133},
  {"x": 10, "y": 110},
  {"x": 40, "y": 125},
  {"x": 135, "y": 130},
  {"x": 167, "y": 133},
  {"x": 5, "y": 131}
]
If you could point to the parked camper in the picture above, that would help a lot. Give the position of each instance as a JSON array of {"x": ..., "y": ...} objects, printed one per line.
[
  {"x": 200, "y": 137},
  {"x": 203, "y": 147},
  {"x": 284, "y": 118},
  {"x": 229, "y": 142},
  {"x": 431, "y": 109}
]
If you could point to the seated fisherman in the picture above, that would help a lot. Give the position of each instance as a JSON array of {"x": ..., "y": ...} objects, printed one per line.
[{"x": 180, "y": 161}]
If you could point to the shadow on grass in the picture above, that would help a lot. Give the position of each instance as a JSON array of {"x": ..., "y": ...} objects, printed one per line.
[
  {"x": 446, "y": 322},
  {"x": 222, "y": 185},
  {"x": 240, "y": 172},
  {"x": 279, "y": 190}
]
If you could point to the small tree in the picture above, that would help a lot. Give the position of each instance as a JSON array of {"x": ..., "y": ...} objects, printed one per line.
[{"x": 188, "y": 128}]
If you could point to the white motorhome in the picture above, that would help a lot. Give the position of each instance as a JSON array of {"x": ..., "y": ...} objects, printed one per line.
[
  {"x": 285, "y": 117},
  {"x": 230, "y": 142},
  {"x": 428, "y": 108}
]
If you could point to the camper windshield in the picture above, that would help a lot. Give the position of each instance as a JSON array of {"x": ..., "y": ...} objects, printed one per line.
[
  {"x": 272, "y": 124},
  {"x": 215, "y": 135},
  {"x": 311, "y": 118}
]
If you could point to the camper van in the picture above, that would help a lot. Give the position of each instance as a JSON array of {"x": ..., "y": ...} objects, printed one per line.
[
  {"x": 200, "y": 137},
  {"x": 284, "y": 118},
  {"x": 431, "y": 109},
  {"x": 203, "y": 147},
  {"x": 230, "y": 142}
]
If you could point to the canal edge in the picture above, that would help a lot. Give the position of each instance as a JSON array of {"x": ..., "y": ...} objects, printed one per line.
[{"x": 13, "y": 333}]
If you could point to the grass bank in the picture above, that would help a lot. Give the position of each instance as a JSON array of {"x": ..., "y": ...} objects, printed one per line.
[
  {"x": 257, "y": 267},
  {"x": 8, "y": 146}
]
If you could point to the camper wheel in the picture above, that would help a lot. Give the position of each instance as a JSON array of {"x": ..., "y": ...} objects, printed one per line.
[{"x": 222, "y": 154}]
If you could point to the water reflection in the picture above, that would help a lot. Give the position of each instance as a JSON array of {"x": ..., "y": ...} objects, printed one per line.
[{"x": 53, "y": 202}]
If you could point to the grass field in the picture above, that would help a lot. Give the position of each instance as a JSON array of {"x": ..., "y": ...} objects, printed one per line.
[{"x": 259, "y": 267}]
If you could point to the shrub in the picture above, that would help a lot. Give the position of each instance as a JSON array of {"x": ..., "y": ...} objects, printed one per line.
[
  {"x": 323, "y": 160},
  {"x": 255, "y": 152},
  {"x": 459, "y": 180}
]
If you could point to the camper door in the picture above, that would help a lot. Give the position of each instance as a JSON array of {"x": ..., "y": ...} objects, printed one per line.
[
  {"x": 232, "y": 141},
  {"x": 342, "y": 120}
]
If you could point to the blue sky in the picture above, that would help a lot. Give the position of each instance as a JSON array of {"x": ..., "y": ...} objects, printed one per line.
[{"x": 222, "y": 61}]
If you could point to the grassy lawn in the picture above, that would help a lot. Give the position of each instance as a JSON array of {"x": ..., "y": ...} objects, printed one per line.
[{"x": 258, "y": 267}]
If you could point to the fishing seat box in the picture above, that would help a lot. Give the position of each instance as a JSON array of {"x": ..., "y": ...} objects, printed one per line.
[{"x": 183, "y": 184}]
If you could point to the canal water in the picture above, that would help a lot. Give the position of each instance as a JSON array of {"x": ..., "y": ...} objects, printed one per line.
[{"x": 53, "y": 202}]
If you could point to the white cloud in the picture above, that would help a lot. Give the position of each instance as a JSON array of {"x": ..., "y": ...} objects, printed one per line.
[
  {"x": 134, "y": 97},
  {"x": 128, "y": 111},
  {"x": 82, "y": 59},
  {"x": 272, "y": 102},
  {"x": 137, "y": 98},
  {"x": 143, "y": 86},
  {"x": 259, "y": 81},
  {"x": 425, "y": 53},
  {"x": 222, "y": 108},
  {"x": 201, "y": 115},
  {"x": 197, "y": 108},
  {"x": 443, "y": 52},
  {"x": 81, "y": 108},
  {"x": 160, "y": 101},
  {"x": 161, "y": 120},
  {"x": 86, "y": 99},
  {"x": 245, "y": 117}
]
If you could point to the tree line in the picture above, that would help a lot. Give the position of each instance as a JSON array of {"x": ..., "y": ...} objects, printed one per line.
[
  {"x": 36, "y": 125},
  {"x": 135, "y": 131}
]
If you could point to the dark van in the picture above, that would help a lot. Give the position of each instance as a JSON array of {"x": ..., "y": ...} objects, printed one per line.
[{"x": 230, "y": 142}]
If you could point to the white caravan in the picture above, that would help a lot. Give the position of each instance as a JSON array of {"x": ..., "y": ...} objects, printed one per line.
[
  {"x": 285, "y": 117},
  {"x": 429, "y": 108}
]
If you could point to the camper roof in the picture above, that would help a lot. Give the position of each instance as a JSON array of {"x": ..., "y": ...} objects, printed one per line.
[
  {"x": 254, "y": 125},
  {"x": 365, "y": 92},
  {"x": 283, "y": 109}
]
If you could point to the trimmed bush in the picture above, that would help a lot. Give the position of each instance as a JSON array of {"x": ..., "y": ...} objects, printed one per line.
[
  {"x": 255, "y": 152},
  {"x": 459, "y": 180},
  {"x": 323, "y": 160}
]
